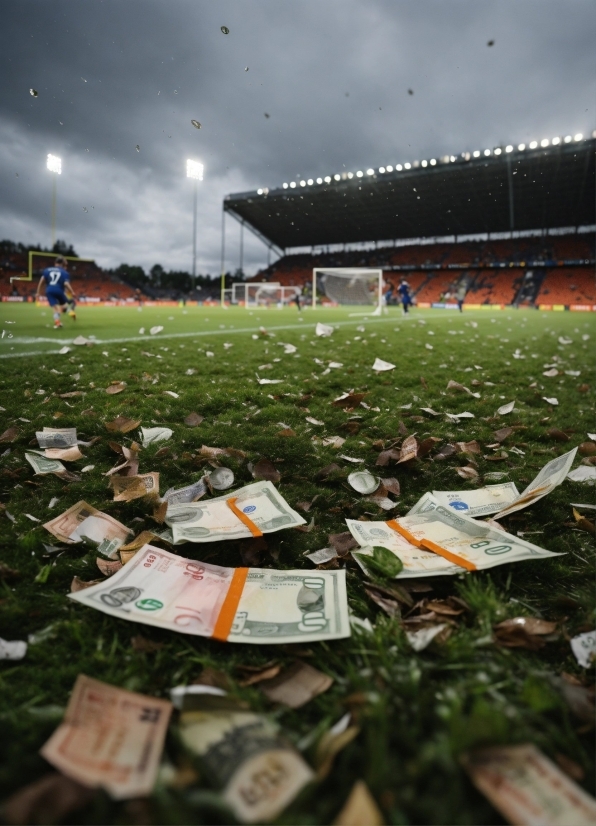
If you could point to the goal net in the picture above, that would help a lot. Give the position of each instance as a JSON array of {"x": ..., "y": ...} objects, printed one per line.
[{"x": 348, "y": 285}]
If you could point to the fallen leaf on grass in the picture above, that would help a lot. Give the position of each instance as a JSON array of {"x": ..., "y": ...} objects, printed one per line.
[
  {"x": 446, "y": 451},
  {"x": 422, "y": 638},
  {"x": 381, "y": 562},
  {"x": 360, "y": 809},
  {"x": 467, "y": 472},
  {"x": 524, "y": 632},
  {"x": 386, "y": 456},
  {"x": 115, "y": 387},
  {"x": 455, "y": 385},
  {"x": 552, "y": 401},
  {"x": 78, "y": 584},
  {"x": 214, "y": 452},
  {"x": 584, "y": 648},
  {"x": 469, "y": 447},
  {"x": 150, "y": 435},
  {"x": 145, "y": 646},
  {"x": 265, "y": 469},
  {"x": 583, "y": 474},
  {"x": 329, "y": 746},
  {"x": 342, "y": 543},
  {"x": 557, "y": 435},
  {"x": 550, "y": 374},
  {"x": 497, "y": 457},
  {"x": 193, "y": 420},
  {"x": 334, "y": 442},
  {"x": 287, "y": 431},
  {"x": 265, "y": 673},
  {"x": 121, "y": 424},
  {"x": 7, "y": 573},
  {"x": 381, "y": 366},
  {"x": 48, "y": 800},
  {"x": 587, "y": 449},
  {"x": 506, "y": 408},
  {"x": 332, "y": 470},
  {"x": 296, "y": 685},
  {"x": 409, "y": 450},
  {"x": 314, "y": 421},
  {"x": 10, "y": 435},
  {"x": 503, "y": 433},
  {"x": 108, "y": 566},
  {"x": 348, "y": 400},
  {"x": 385, "y": 601},
  {"x": 583, "y": 524}
]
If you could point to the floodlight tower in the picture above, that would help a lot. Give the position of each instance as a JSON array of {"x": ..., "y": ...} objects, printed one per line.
[
  {"x": 194, "y": 170},
  {"x": 54, "y": 164}
]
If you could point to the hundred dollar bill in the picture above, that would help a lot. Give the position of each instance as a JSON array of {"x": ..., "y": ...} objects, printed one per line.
[
  {"x": 83, "y": 521},
  {"x": 437, "y": 541},
  {"x": 250, "y": 605},
  {"x": 41, "y": 464},
  {"x": 551, "y": 475},
  {"x": 225, "y": 517},
  {"x": 67, "y": 454},
  {"x": 479, "y": 502},
  {"x": 527, "y": 788},
  {"x": 133, "y": 487},
  {"x": 110, "y": 738},
  {"x": 183, "y": 496},
  {"x": 57, "y": 437},
  {"x": 245, "y": 756}
]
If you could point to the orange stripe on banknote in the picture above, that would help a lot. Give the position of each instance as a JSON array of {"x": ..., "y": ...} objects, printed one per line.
[
  {"x": 403, "y": 532},
  {"x": 231, "y": 503},
  {"x": 457, "y": 560},
  {"x": 223, "y": 624}
]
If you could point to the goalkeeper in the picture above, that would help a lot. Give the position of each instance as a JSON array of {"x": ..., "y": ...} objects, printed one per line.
[{"x": 59, "y": 292}]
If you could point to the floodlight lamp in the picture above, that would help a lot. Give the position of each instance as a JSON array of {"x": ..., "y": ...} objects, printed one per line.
[
  {"x": 424, "y": 163},
  {"x": 350, "y": 175},
  {"x": 476, "y": 153},
  {"x": 259, "y": 191},
  {"x": 310, "y": 182},
  {"x": 381, "y": 169},
  {"x": 302, "y": 183},
  {"x": 533, "y": 144},
  {"x": 521, "y": 147},
  {"x": 407, "y": 166},
  {"x": 327, "y": 179},
  {"x": 389, "y": 168},
  {"x": 487, "y": 152},
  {"x": 509, "y": 148},
  {"x": 319, "y": 180},
  {"x": 359, "y": 174},
  {"x": 194, "y": 169},
  {"x": 556, "y": 141},
  {"x": 498, "y": 150},
  {"x": 578, "y": 137},
  {"x": 285, "y": 186},
  {"x": 544, "y": 142},
  {"x": 292, "y": 184},
  {"x": 433, "y": 161},
  {"x": 370, "y": 171},
  {"x": 452, "y": 158},
  {"x": 337, "y": 176},
  {"x": 54, "y": 164},
  {"x": 399, "y": 167},
  {"x": 568, "y": 138}
]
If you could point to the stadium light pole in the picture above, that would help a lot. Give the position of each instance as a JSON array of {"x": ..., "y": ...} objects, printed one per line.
[
  {"x": 54, "y": 164},
  {"x": 194, "y": 170}
]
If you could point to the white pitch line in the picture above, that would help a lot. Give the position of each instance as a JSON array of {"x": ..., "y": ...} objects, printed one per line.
[{"x": 154, "y": 339}]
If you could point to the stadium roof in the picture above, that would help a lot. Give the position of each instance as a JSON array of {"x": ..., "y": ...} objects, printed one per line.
[{"x": 506, "y": 188}]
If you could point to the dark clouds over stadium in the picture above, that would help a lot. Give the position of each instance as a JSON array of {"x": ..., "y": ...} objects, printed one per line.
[{"x": 332, "y": 75}]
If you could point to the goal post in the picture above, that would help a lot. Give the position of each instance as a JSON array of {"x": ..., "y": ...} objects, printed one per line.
[
  {"x": 349, "y": 285},
  {"x": 49, "y": 255}
]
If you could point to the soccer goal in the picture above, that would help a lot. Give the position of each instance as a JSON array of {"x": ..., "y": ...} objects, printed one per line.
[
  {"x": 349, "y": 285},
  {"x": 51, "y": 257}
]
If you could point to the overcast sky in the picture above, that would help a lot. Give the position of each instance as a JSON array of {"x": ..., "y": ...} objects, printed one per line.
[{"x": 332, "y": 75}]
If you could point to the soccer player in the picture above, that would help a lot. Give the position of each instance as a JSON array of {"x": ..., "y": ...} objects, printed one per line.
[
  {"x": 57, "y": 284},
  {"x": 404, "y": 295}
]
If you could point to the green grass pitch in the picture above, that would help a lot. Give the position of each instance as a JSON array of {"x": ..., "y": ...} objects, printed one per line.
[{"x": 417, "y": 712}]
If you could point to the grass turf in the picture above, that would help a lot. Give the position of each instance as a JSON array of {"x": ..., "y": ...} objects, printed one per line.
[{"x": 417, "y": 711}]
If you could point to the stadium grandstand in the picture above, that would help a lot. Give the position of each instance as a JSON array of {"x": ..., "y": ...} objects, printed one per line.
[{"x": 513, "y": 225}]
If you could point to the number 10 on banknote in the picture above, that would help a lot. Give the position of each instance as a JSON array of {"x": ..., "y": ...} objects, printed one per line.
[{"x": 251, "y": 605}]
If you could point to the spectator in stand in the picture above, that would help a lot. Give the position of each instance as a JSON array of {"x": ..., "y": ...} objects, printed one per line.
[
  {"x": 461, "y": 296},
  {"x": 404, "y": 296}
]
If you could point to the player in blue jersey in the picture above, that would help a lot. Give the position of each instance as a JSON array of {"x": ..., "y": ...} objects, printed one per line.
[
  {"x": 59, "y": 292},
  {"x": 404, "y": 295}
]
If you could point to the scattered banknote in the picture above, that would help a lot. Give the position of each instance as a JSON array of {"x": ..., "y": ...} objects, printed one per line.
[
  {"x": 182, "y": 496},
  {"x": 438, "y": 541},
  {"x": 551, "y": 475},
  {"x": 42, "y": 465},
  {"x": 110, "y": 738},
  {"x": 57, "y": 437},
  {"x": 479, "y": 502},
  {"x": 584, "y": 648},
  {"x": 12, "y": 649},
  {"x": 258, "y": 772},
  {"x": 127, "y": 488},
  {"x": 251, "y": 511},
  {"x": 155, "y": 434},
  {"x": 527, "y": 788},
  {"x": 66, "y": 454},
  {"x": 249, "y": 605},
  {"x": 83, "y": 522}
]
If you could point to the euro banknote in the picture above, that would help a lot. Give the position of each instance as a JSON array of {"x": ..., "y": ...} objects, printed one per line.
[
  {"x": 249, "y": 511},
  {"x": 250, "y": 605}
]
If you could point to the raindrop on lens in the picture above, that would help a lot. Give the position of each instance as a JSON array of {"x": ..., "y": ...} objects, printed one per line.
[
  {"x": 246, "y": 68},
  {"x": 225, "y": 30},
  {"x": 196, "y": 124},
  {"x": 33, "y": 93},
  {"x": 138, "y": 148}
]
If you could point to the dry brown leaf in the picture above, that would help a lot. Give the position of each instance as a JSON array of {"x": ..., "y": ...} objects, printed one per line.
[
  {"x": 126, "y": 556},
  {"x": 213, "y": 677},
  {"x": 266, "y": 673},
  {"x": 193, "y": 420},
  {"x": 467, "y": 472},
  {"x": 391, "y": 485},
  {"x": 386, "y": 456},
  {"x": 116, "y": 387},
  {"x": 469, "y": 447},
  {"x": 523, "y": 632},
  {"x": 142, "y": 539},
  {"x": 121, "y": 424},
  {"x": 426, "y": 445},
  {"x": 49, "y": 800},
  {"x": 10, "y": 435},
  {"x": 387, "y": 604},
  {"x": 108, "y": 566},
  {"x": 409, "y": 449},
  {"x": 7, "y": 573},
  {"x": 501, "y": 434},
  {"x": 497, "y": 457},
  {"x": 214, "y": 452},
  {"x": 71, "y": 394},
  {"x": 557, "y": 435},
  {"x": 265, "y": 469},
  {"x": 80, "y": 584},
  {"x": 342, "y": 543},
  {"x": 329, "y": 747},
  {"x": 587, "y": 448},
  {"x": 446, "y": 451},
  {"x": 348, "y": 400},
  {"x": 352, "y": 427},
  {"x": 287, "y": 431},
  {"x": 144, "y": 645},
  {"x": 360, "y": 809},
  {"x": 296, "y": 685},
  {"x": 583, "y": 524}
]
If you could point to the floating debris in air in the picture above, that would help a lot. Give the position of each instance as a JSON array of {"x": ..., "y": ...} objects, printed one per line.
[
  {"x": 491, "y": 43},
  {"x": 225, "y": 30},
  {"x": 410, "y": 91},
  {"x": 33, "y": 93},
  {"x": 246, "y": 68},
  {"x": 267, "y": 115},
  {"x": 138, "y": 148},
  {"x": 196, "y": 124}
]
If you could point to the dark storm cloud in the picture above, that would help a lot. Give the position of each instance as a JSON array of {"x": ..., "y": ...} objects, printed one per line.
[{"x": 333, "y": 76}]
